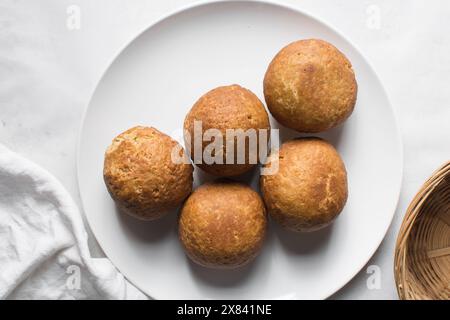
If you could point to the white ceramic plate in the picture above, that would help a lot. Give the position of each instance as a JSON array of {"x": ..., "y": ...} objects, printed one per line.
[{"x": 155, "y": 81}]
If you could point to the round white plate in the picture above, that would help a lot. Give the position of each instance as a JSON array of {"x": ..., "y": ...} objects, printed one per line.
[{"x": 154, "y": 82}]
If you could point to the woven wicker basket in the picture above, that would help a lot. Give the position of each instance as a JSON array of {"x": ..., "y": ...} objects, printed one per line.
[{"x": 422, "y": 255}]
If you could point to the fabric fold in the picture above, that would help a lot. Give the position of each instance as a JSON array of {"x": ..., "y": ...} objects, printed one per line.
[{"x": 43, "y": 242}]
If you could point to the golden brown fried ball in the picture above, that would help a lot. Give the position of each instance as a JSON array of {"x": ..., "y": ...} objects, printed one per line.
[
  {"x": 309, "y": 190},
  {"x": 227, "y": 107},
  {"x": 223, "y": 225},
  {"x": 141, "y": 176},
  {"x": 310, "y": 86}
]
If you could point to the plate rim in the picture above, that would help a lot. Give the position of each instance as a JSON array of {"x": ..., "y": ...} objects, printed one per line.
[{"x": 281, "y": 4}]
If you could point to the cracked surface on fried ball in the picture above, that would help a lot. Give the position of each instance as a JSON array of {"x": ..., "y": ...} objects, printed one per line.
[
  {"x": 223, "y": 225},
  {"x": 227, "y": 107},
  {"x": 310, "y": 86},
  {"x": 310, "y": 188},
  {"x": 140, "y": 175}
]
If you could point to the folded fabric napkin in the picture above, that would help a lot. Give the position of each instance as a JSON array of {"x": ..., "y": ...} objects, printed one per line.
[{"x": 43, "y": 242}]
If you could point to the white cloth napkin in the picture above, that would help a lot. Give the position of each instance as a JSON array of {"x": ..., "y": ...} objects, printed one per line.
[{"x": 43, "y": 242}]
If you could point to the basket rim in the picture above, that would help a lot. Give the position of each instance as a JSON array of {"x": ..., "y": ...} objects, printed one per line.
[{"x": 412, "y": 213}]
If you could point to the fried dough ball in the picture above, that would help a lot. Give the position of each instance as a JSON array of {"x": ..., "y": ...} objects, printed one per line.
[
  {"x": 141, "y": 176},
  {"x": 222, "y": 225},
  {"x": 309, "y": 190},
  {"x": 310, "y": 86},
  {"x": 227, "y": 107}
]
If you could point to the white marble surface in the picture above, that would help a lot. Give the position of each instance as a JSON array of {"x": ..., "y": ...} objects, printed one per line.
[{"x": 48, "y": 72}]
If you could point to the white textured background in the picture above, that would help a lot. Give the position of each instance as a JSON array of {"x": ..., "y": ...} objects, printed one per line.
[{"x": 48, "y": 73}]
